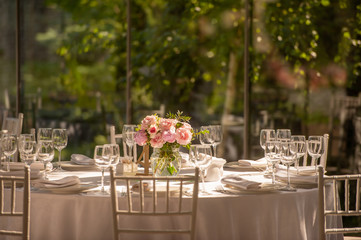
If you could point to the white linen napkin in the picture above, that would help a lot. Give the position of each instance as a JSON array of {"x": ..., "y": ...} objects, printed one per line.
[
  {"x": 296, "y": 179},
  {"x": 81, "y": 159},
  {"x": 16, "y": 166},
  {"x": 260, "y": 163},
  {"x": 59, "y": 183},
  {"x": 302, "y": 170},
  {"x": 237, "y": 181}
]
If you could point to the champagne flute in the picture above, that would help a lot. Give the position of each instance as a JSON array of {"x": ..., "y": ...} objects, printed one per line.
[
  {"x": 60, "y": 140},
  {"x": 128, "y": 136},
  {"x": 299, "y": 148},
  {"x": 315, "y": 148},
  {"x": 287, "y": 158},
  {"x": 46, "y": 154},
  {"x": 9, "y": 147}
]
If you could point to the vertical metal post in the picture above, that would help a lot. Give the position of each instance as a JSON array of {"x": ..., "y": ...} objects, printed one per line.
[
  {"x": 129, "y": 66},
  {"x": 17, "y": 59},
  {"x": 246, "y": 136}
]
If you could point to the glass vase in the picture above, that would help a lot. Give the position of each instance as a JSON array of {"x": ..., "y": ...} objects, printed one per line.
[{"x": 165, "y": 162}]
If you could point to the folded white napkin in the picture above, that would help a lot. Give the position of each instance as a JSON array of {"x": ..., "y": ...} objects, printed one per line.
[
  {"x": 15, "y": 166},
  {"x": 302, "y": 170},
  {"x": 239, "y": 182},
  {"x": 59, "y": 183},
  {"x": 34, "y": 173},
  {"x": 260, "y": 163},
  {"x": 81, "y": 159},
  {"x": 296, "y": 179}
]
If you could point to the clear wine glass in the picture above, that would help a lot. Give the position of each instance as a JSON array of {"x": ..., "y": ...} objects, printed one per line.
[
  {"x": 315, "y": 148},
  {"x": 128, "y": 136},
  {"x": 204, "y": 159},
  {"x": 283, "y": 135},
  {"x": 272, "y": 156},
  {"x": 60, "y": 141},
  {"x": 264, "y": 136},
  {"x": 288, "y": 157},
  {"x": 102, "y": 160},
  {"x": 9, "y": 147},
  {"x": 44, "y": 134},
  {"x": 207, "y": 137},
  {"x": 46, "y": 154},
  {"x": 217, "y": 136},
  {"x": 299, "y": 148},
  {"x": 114, "y": 153},
  {"x": 28, "y": 148}
]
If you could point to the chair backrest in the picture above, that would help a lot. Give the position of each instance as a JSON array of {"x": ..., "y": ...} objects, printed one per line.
[
  {"x": 323, "y": 158},
  {"x": 114, "y": 137},
  {"x": 13, "y": 125},
  {"x": 350, "y": 208},
  {"x": 9, "y": 207},
  {"x": 158, "y": 202}
]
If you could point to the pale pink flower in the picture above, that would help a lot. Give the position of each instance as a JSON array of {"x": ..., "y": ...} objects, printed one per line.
[
  {"x": 152, "y": 130},
  {"x": 183, "y": 135},
  {"x": 157, "y": 141},
  {"x": 166, "y": 124},
  {"x": 187, "y": 126},
  {"x": 169, "y": 136},
  {"x": 141, "y": 138},
  {"x": 148, "y": 121}
]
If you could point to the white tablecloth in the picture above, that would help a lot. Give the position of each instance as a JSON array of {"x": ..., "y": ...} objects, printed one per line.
[{"x": 267, "y": 216}]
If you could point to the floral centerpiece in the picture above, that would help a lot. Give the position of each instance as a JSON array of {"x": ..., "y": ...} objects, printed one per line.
[{"x": 165, "y": 135}]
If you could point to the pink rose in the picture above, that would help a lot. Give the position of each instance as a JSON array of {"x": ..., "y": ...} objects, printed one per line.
[
  {"x": 148, "y": 121},
  {"x": 183, "y": 136},
  {"x": 157, "y": 141},
  {"x": 141, "y": 138},
  {"x": 152, "y": 130},
  {"x": 187, "y": 126},
  {"x": 166, "y": 124},
  {"x": 169, "y": 136}
]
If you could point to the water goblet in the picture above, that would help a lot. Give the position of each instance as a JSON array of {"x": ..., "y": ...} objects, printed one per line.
[
  {"x": 128, "y": 136},
  {"x": 315, "y": 148},
  {"x": 46, "y": 154},
  {"x": 9, "y": 147},
  {"x": 299, "y": 147},
  {"x": 60, "y": 140}
]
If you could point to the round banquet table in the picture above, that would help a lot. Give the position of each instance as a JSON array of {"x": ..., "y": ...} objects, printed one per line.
[{"x": 276, "y": 215}]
